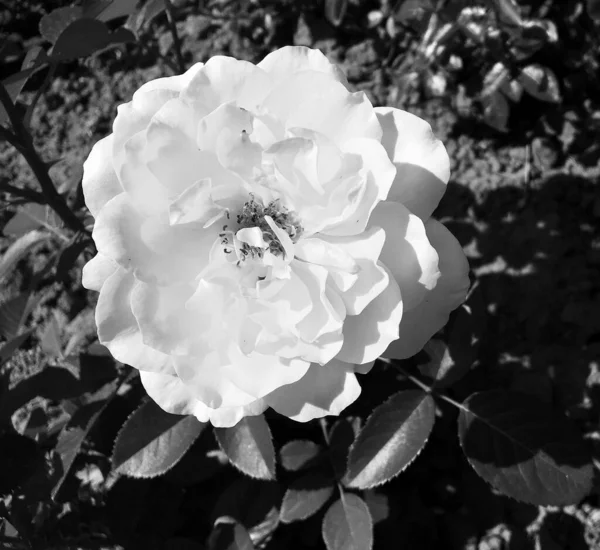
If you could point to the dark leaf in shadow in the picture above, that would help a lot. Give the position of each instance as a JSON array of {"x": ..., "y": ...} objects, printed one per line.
[{"x": 524, "y": 449}]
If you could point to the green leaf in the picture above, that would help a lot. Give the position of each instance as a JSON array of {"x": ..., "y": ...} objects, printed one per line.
[
  {"x": 496, "y": 111},
  {"x": 508, "y": 13},
  {"x": 305, "y": 497},
  {"x": 29, "y": 217},
  {"x": 9, "y": 348},
  {"x": 13, "y": 313},
  {"x": 348, "y": 525},
  {"x": 228, "y": 534},
  {"x": 86, "y": 36},
  {"x": 393, "y": 436},
  {"x": 525, "y": 449},
  {"x": 73, "y": 435},
  {"x": 148, "y": 12},
  {"x": 35, "y": 59},
  {"x": 297, "y": 454},
  {"x": 54, "y": 23},
  {"x": 541, "y": 83},
  {"x": 249, "y": 446},
  {"x": 107, "y": 10},
  {"x": 152, "y": 441},
  {"x": 50, "y": 341},
  {"x": 335, "y": 10}
]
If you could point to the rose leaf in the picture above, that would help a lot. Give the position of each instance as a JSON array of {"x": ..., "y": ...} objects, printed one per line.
[
  {"x": 393, "y": 436},
  {"x": 249, "y": 447},
  {"x": 152, "y": 441},
  {"x": 348, "y": 525},
  {"x": 524, "y": 449}
]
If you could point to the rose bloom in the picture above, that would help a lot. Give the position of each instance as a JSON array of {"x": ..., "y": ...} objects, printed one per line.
[{"x": 264, "y": 235}]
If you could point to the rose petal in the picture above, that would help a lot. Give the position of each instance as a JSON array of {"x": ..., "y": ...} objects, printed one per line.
[
  {"x": 173, "y": 396},
  {"x": 421, "y": 323},
  {"x": 289, "y": 60},
  {"x": 407, "y": 252},
  {"x": 367, "y": 335},
  {"x": 159, "y": 253},
  {"x": 118, "y": 329},
  {"x": 100, "y": 182},
  {"x": 96, "y": 271},
  {"x": 423, "y": 166},
  {"x": 380, "y": 176},
  {"x": 224, "y": 79},
  {"x": 324, "y": 389},
  {"x": 316, "y": 101}
]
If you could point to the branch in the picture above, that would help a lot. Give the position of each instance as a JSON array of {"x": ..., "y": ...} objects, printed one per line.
[{"x": 22, "y": 141}]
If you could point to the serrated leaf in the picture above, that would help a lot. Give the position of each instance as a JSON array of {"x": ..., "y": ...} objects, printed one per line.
[
  {"x": 335, "y": 10},
  {"x": 297, "y": 454},
  {"x": 496, "y": 111},
  {"x": 249, "y": 446},
  {"x": 85, "y": 36},
  {"x": 305, "y": 497},
  {"x": 393, "y": 436},
  {"x": 524, "y": 449},
  {"x": 347, "y": 525},
  {"x": 541, "y": 83},
  {"x": 18, "y": 250},
  {"x": 228, "y": 534},
  {"x": 54, "y": 23},
  {"x": 152, "y": 441}
]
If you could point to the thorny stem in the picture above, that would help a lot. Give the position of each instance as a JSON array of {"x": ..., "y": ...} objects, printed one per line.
[
  {"x": 176, "y": 39},
  {"x": 21, "y": 140},
  {"x": 323, "y": 425}
]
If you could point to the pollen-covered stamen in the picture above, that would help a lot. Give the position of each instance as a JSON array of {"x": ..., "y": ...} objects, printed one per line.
[{"x": 256, "y": 215}]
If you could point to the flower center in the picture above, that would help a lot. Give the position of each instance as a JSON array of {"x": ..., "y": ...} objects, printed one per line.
[{"x": 254, "y": 215}]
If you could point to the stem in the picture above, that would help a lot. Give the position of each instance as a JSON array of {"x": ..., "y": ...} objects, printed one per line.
[
  {"x": 176, "y": 39},
  {"x": 422, "y": 385},
  {"x": 22, "y": 141},
  {"x": 28, "y": 194}
]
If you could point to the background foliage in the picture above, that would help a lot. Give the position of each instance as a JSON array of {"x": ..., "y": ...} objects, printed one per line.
[{"x": 509, "y": 391}]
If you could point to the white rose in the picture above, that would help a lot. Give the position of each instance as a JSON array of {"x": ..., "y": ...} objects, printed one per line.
[{"x": 263, "y": 235}]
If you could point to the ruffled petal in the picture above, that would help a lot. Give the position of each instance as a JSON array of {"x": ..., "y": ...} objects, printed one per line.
[
  {"x": 407, "y": 252},
  {"x": 289, "y": 60},
  {"x": 423, "y": 166},
  {"x": 324, "y": 389},
  {"x": 316, "y": 101},
  {"x": 224, "y": 79},
  {"x": 157, "y": 252},
  {"x": 380, "y": 174},
  {"x": 421, "y": 323},
  {"x": 367, "y": 335},
  {"x": 118, "y": 329},
  {"x": 100, "y": 182},
  {"x": 371, "y": 278},
  {"x": 173, "y": 396},
  {"x": 96, "y": 271}
]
